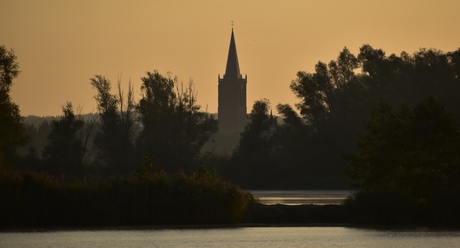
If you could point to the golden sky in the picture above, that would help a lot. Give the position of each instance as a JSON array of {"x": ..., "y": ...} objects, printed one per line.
[{"x": 60, "y": 44}]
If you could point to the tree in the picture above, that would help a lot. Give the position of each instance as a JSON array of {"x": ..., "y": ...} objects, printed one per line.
[
  {"x": 252, "y": 160},
  {"x": 65, "y": 150},
  {"x": 318, "y": 91},
  {"x": 258, "y": 133},
  {"x": 115, "y": 141},
  {"x": 338, "y": 96},
  {"x": 174, "y": 128},
  {"x": 314, "y": 91},
  {"x": 12, "y": 131},
  {"x": 412, "y": 154},
  {"x": 342, "y": 70}
]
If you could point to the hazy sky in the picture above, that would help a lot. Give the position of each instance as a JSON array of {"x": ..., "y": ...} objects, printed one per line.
[{"x": 60, "y": 44}]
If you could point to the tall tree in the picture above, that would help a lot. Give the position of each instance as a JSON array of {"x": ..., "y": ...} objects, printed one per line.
[
  {"x": 115, "y": 142},
  {"x": 407, "y": 167},
  {"x": 314, "y": 91},
  {"x": 258, "y": 133},
  {"x": 174, "y": 128},
  {"x": 12, "y": 131},
  {"x": 65, "y": 150},
  {"x": 337, "y": 97},
  {"x": 414, "y": 152},
  {"x": 252, "y": 160}
]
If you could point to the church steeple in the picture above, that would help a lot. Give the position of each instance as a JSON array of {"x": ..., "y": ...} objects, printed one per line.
[
  {"x": 233, "y": 68},
  {"x": 232, "y": 94}
]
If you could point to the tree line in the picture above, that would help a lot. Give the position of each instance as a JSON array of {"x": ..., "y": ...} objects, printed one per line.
[
  {"x": 130, "y": 164},
  {"x": 306, "y": 145},
  {"x": 166, "y": 127},
  {"x": 302, "y": 146}
]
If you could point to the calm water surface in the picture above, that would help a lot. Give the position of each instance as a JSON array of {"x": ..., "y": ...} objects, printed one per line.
[
  {"x": 236, "y": 237},
  {"x": 297, "y": 197}
]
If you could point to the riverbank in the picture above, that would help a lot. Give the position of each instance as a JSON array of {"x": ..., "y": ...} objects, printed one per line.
[
  {"x": 32, "y": 200},
  {"x": 256, "y": 215}
]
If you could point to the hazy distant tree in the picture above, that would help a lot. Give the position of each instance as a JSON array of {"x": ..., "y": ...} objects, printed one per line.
[
  {"x": 115, "y": 142},
  {"x": 41, "y": 136},
  {"x": 31, "y": 154},
  {"x": 12, "y": 131},
  {"x": 65, "y": 150},
  {"x": 38, "y": 135},
  {"x": 174, "y": 128}
]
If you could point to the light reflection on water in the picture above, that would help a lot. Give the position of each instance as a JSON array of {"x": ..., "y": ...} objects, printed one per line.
[
  {"x": 317, "y": 197},
  {"x": 236, "y": 237}
]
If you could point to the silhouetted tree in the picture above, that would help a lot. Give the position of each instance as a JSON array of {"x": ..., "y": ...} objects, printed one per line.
[
  {"x": 412, "y": 152},
  {"x": 65, "y": 150},
  {"x": 252, "y": 160},
  {"x": 258, "y": 133},
  {"x": 292, "y": 138},
  {"x": 115, "y": 141},
  {"x": 314, "y": 90},
  {"x": 338, "y": 96},
  {"x": 12, "y": 131},
  {"x": 407, "y": 167},
  {"x": 174, "y": 128}
]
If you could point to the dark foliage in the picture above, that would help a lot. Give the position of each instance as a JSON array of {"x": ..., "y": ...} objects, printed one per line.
[
  {"x": 12, "y": 130},
  {"x": 407, "y": 167},
  {"x": 39, "y": 200},
  {"x": 174, "y": 129},
  {"x": 115, "y": 140},
  {"x": 64, "y": 153},
  {"x": 335, "y": 100},
  {"x": 252, "y": 158}
]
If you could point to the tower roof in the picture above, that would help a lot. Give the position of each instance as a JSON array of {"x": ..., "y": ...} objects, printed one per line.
[{"x": 233, "y": 68}]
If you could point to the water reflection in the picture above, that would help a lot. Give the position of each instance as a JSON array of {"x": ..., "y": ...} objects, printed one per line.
[
  {"x": 236, "y": 237},
  {"x": 317, "y": 197}
]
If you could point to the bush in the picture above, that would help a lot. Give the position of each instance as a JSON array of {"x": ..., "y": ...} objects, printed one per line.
[
  {"x": 39, "y": 200},
  {"x": 406, "y": 171}
]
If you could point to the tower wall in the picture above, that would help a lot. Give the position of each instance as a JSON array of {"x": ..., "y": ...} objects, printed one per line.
[{"x": 232, "y": 104}]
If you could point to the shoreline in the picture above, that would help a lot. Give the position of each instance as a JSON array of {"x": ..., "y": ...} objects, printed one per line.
[{"x": 257, "y": 215}]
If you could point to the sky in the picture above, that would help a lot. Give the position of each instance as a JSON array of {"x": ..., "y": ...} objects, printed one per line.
[{"x": 61, "y": 44}]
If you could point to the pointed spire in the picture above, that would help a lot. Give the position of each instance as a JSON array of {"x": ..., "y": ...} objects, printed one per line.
[{"x": 233, "y": 68}]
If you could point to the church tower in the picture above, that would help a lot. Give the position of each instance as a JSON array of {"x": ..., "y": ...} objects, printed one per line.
[{"x": 232, "y": 94}]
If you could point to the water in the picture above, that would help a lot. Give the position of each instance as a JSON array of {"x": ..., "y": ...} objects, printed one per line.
[
  {"x": 235, "y": 237},
  {"x": 317, "y": 197},
  {"x": 243, "y": 237}
]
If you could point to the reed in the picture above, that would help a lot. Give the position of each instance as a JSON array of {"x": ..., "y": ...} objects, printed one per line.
[{"x": 40, "y": 200}]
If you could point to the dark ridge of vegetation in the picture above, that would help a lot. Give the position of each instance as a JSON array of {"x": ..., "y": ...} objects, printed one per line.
[
  {"x": 380, "y": 208},
  {"x": 304, "y": 150},
  {"x": 34, "y": 200},
  {"x": 407, "y": 168},
  {"x": 300, "y": 149}
]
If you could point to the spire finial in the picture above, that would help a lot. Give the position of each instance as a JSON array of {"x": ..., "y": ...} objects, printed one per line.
[
  {"x": 233, "y": 69},
  {"x": 232, "y": 25}
]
